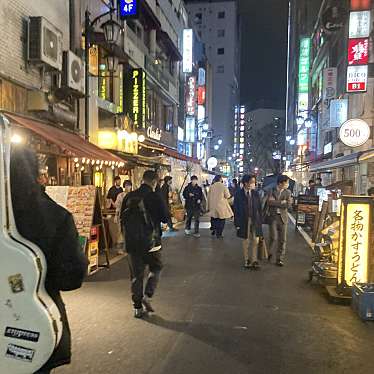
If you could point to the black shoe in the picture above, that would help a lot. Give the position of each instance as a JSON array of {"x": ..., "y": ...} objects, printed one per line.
[
  {"x": 147, "y": 304},
  {"x": 213, "y": 233},
  {"x": 270, "y": 257},
  {"x": 280, "y": 263},
  {"x": 255, "y": 266},
  {"x": 138, "y": 313}
]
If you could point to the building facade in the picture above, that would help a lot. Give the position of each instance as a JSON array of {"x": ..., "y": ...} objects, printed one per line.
[{"x": 216, "y": 23}]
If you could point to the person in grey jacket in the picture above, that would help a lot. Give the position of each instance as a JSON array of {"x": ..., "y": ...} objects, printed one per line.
[{"x": 279, "y": 201}]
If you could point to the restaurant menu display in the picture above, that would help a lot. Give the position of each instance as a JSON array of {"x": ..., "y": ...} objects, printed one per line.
[
  {"x": 79, "y": 201},
  {"x": 307, "y": 208}
]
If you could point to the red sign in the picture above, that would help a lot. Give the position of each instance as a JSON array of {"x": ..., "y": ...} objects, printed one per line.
[
  {"x": 360, "y": 4},
  {"x": 357, "y": 77},
  {"x": 358, "y": 51},
  {"x": 201, "y": 93}
]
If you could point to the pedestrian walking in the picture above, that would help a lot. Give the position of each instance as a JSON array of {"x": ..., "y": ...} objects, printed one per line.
[
  {"x": 279, "y": 200},
  {"x": 248, "y": 220},
  {"x": 218, "y": 205},
  {"x": 49, "y": 226},
  {"x": 113, "y": 193},
  {"x": 193, "y": 194},
  {"x": 127, "y": 188},
  {"x": 142, "y": 213},
  {"x": 166, "y": 195}
]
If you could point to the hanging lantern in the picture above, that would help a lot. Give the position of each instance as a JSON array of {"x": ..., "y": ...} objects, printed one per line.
[{"x": 112, "y": 30}]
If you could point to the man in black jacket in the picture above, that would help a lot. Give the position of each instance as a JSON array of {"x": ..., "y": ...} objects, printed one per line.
[
  {"x": 193, "y": 195},
  {"x": 143, "y": 239},
  {"x": 165, "y": 192},
  {"x": 248, "y": 220},
  {"x": 43, "y": 222}
]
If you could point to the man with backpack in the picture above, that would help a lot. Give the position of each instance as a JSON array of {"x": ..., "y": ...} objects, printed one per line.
[{"x": 142, "y": 213}]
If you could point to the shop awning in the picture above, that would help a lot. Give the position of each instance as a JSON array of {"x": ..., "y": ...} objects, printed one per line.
[
  {"x": 343, "y": 161},
  {"x": 70, "y": 143}
]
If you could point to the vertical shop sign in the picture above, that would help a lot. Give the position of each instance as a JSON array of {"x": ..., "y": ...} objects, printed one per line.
[
  {"x": 190, "y": 129},
  {"x": 187, "y": 50},
  {"x": 191, "y": 96},
  {"x": 357, "y": 77},
  {"x": 329, "y": 83},
  {"x": 135, "y": 98},
  {"x": 201, "y": 79},
  {"x": 338, "y": 112},
  {"x": 359, "y": 24},
  {"x": 304, "y": 64},
  {"x": 201, "y": 95}
]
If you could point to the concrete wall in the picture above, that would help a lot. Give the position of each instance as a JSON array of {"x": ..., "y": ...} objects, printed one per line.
[{"x": 14, "y": 15}]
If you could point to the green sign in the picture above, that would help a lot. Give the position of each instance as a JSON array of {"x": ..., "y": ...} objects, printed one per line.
[{"x": 304, "y": 64}]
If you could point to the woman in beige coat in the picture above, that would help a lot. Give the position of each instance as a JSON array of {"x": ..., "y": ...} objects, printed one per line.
[{"x": 219, "y": 207}]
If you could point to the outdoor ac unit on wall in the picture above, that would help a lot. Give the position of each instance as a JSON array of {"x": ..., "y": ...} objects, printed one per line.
[
  {"x": 73, "y": 72},
  {"x": 44, "y": 43}
]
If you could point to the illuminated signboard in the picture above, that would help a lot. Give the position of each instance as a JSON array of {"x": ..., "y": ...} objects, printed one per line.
[
  {"x": 191, "y": 96},
  {"x": 190, "y": 129},
  {"x": 357, "y": 77},
  {"x": 200, "y": 113},
  {"x": 360, "y": 4},
  {"x": 358, "y": 51},
  {"x": 187, "y": 50},
  {"x": 135, "y": 98},
  {"x": 359, "y": 24},
  {"x": 338, "y": 112},
  {"x": 304, "y": 64},
  {"x": 128, "y": 8},
  {"x": 201, "y": 95},
  {"x": 201, "y": 78},
  {"x": 354, "y": 243}
]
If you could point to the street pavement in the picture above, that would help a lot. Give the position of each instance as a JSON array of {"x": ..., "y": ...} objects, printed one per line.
[{"x": 212, "y": 316}]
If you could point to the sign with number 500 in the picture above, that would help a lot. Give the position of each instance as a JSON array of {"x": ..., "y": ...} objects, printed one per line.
[{"x": 354, "y": 132}]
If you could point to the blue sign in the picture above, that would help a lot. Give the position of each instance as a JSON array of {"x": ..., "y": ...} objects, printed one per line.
[{"x": 128, "y": 8}]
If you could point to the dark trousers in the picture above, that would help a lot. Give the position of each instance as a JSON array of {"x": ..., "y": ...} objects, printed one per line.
[
  {"x": 218, "y": 225},
  {"x": 137, "y": 265},
  {"x": 195, "y": 214}
]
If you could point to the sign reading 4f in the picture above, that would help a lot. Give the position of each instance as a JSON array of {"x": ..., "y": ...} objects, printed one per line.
[{"x": 128, "y": 8}]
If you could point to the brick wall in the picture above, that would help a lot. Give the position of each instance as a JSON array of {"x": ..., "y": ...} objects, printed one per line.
[{"x": 13, "y": 15}]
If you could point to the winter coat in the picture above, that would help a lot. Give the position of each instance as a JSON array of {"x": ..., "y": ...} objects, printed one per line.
[
  {"x": 218, "y": 204},
  {"x": 157, "y": 212},
  {"x": 52, "y": 229},
  {"x": 193, "y": 202},
  {"x": 241, "y": 208},
  {"x": 164, "y": 193}
]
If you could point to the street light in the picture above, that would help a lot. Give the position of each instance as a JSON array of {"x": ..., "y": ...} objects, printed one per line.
[
  {"x": 220, "y": 141},
  {"x": 292, "y": 142},
  {"x": 299, "y": 120},
  {"x": 112, "y": 30},
  {"x": 308, "y": 123},
  {"x": 216, "y": 147},
  {"x": 112, "y": 63}
]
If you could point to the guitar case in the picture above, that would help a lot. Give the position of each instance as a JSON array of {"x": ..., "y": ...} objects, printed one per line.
[{"x": 30, "y": 323}]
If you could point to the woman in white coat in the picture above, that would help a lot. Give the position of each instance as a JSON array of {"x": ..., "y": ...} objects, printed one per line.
[{"x": 218, "y": 204}]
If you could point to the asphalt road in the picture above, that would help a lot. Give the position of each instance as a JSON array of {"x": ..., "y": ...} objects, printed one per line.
[{"x": 215, "y": 317}]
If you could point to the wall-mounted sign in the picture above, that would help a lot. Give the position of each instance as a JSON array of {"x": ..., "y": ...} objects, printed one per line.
[
  {"x": 354, "y": 132},
  {"x": 191, "y": 96},
  {"x": 200, "y": 113},
  {"x": 360, "y": 4},
  {"x": 330, "y": 83},
  {"x": 187, "y": 50},
  {"x": 121, "y": 140},
  {"x": 190, "y": 129},
  {"x": 357, "y": 77},
  {"x": 154, "y": 133},
  {"x": 338, "y": 112},
  {"x": 304, "y": 63},
  {"x": 135, "y": 98},
  {"x": 358, "y": 51},
  {"x": 200, "y": 151},
  {"x": 354, "y": 243},
  {"x": 180, "y": 134},
  {"x": 327, "y": 148},
  {"x": 94, "y": 60},
  {"x": 359, "y": 24},
  {"x": 128, "y": 8},
  {"x": 201, "y": 95},
  {"x": 201, "y": 78}
]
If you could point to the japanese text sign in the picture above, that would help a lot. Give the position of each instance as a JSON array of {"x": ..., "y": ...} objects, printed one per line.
[
  {"x": 191, "y": 96},
  {"x": 304, "y": 64},
  {"x": 329, "y": 83},
  {"x": 357, "y": 77},
  {"x": 359, "y": 24},
  {"x": 358, "y": 51},
  {"x": 187, "y": 50}
]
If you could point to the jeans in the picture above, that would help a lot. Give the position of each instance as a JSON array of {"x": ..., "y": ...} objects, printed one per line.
[
  {"x": 251, "y": 243},
  {"x": 278, "y": 237},
  {"x": 137, "y": 265},
  {"x": 195, "y": 214},
  {"x": 218, "y": 226}
]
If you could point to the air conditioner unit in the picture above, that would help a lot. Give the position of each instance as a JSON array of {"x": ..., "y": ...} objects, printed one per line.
[
  {"x": 44, "y": 43},
  {"x": 73, "y": 72}
]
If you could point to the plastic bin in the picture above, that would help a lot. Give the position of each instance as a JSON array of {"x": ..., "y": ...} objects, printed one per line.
[{"x": 363, "y": 300}]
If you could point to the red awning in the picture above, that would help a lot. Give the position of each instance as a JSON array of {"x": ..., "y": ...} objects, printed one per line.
[{"x": 70, "y": 143}]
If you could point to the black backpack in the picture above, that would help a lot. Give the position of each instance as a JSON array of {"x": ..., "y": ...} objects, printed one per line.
[{"x": 137, "y": 226}]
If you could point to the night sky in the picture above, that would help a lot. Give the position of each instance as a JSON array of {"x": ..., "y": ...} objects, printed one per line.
[{"x": 263, "y": 52}]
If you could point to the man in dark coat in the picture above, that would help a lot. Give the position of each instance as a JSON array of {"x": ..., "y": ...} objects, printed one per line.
[
  {"x": 165, "y": 194},
  {"x": 193, "y": 195},
  {"x": 145, "y": 251},
  {"x": 248, "y": 220},
  {"x": 43, "y": 222}
]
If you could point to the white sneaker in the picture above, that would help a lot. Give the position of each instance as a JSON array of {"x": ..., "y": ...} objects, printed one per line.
[
  {"x": 187, "y": 232},
  {"x": 197, "y": 235}
]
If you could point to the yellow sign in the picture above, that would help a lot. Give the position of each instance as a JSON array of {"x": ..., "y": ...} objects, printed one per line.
[
  {"x": 108, "y": 140},
  {"x": 354, "y": 246},
  {"x": 120, "y": 141},
  {"x": 136, "y": 97}
]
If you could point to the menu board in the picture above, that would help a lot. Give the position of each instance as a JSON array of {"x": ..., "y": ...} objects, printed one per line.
[{"x": 79, "y": 201}]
